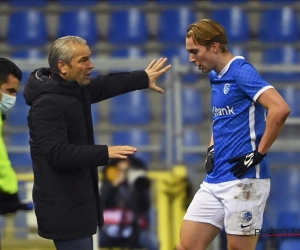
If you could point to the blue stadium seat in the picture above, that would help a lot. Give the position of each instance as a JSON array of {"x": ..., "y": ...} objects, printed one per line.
[
  {"x": 25, "y": 76},
  {"x": 21, "y": 161},
  {"x": 277, "y": 2},
  {"x": 21, "y": 218},
  {"x": 284, "y": 190},
  {"x": 183, "y": 56},
  {"x": 18, "y": 139},
  {"x": 129, "y": 52},
  {"x": 229, "y": 1},
  {"x": 173, "y": 25},
  {"x": 127, "y": 2},
  {"x": 291, "y": 96},
  {"x": 283, "y": 158},
  {"x": 128, "y": 27},
  {"x": 17, "y": 117},
  {"x": 77, "y": 2},
  {"x": 283, "y": 204},
  {"x": 288, "y": 220},
  {"x": 130, "y": 109},
  {"x": 27, "y": 28},
  {"x": 79, "y": 23},
  {"x": 279, "y": 25},
  {"x": 191, "y": 138},
  {"x": 174, "y": 2},
  {"x": 236, "y": 23},
  {"x": 286, "y": 55},
  {"x": 289, "y": 244},
  {"x": 135, "y": 137},
  {"x": 192, "y": 108},
  {"x": 239, "y": 51},
  {"x": 290, "y": 177},
  {"x": 32, "y": 53},
  {"x": 29, "y": 3}
]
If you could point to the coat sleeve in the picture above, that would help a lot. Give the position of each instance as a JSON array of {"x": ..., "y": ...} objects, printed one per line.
[
  {"x": 103, "y": 87},
  {"x": 49, "y": 124}
]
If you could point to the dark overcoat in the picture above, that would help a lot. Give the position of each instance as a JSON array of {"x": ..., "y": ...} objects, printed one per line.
[{"x": 64, "y": 157}]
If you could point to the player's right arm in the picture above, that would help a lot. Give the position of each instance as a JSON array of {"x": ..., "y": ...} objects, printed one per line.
[
  {"x": 209, "y": 161},
  {"x": 211, "y": 140}
]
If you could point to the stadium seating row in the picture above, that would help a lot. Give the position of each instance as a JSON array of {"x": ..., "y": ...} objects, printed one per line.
[
  {"x": 134, "y": 108},
  {"x": 29, "y": 28},
  {"x": 285, "y": 55},
  {"x": 131, "y": 2},
  {"x": 21, "y": 161},
  {"x": 139, "y": 137}
]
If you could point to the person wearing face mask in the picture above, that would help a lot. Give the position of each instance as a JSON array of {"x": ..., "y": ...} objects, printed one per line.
[{"x": 10, "y": 77}]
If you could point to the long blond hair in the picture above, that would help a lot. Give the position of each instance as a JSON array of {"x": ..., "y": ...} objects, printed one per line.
[{"x": 207, "y": 31}]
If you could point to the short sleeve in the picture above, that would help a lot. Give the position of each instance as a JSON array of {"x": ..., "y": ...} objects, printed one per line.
[{"x": 250, "y": 81}]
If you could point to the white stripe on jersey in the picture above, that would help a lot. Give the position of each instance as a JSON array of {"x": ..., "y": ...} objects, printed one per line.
[
  {"x": 261, "y": 91},
  {"x": 252, "y": 133}
]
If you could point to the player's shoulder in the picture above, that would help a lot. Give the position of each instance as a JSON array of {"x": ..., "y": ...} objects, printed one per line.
[
  {"x": 242, "y": 66},
  {"x": 239, "y": 62}
]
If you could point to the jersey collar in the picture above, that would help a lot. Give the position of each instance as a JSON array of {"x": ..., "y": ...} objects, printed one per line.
[{"x": 224, "y": 70}]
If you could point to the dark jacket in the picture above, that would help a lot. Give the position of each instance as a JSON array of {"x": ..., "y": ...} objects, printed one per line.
[{"x": 63, "y": 153}]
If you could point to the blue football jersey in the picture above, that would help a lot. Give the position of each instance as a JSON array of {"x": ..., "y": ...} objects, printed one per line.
[{"x": 238, "y": 119}]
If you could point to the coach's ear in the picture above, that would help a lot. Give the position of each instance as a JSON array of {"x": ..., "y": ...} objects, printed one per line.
[{"x": 63, "y": 67}]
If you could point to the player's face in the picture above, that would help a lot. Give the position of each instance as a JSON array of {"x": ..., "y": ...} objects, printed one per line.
[
  {"x": 80, "y": 67},
  {"x": 10, "y": 86},
  {"x": 201, "y": 56}
]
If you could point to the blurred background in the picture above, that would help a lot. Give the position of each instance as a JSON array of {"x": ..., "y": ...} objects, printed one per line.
[{"x": 172, "y": 131}]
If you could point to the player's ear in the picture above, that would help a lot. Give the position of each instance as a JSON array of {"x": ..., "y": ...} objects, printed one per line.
[{"x": 215, "y": 47}]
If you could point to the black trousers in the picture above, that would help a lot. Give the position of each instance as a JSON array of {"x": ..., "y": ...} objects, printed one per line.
[{"x": 76, "y": 244}]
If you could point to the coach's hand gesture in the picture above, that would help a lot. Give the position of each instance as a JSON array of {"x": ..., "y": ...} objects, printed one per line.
[
  {"x": 120, "y": 151},
  {"x": 154, "y": 71}
]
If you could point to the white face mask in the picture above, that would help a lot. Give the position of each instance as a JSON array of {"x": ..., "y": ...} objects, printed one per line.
[{"x": 8, "y": 101}]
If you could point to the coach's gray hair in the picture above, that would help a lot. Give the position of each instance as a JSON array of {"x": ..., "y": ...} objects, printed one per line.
[{"x": 61, "y": 51}]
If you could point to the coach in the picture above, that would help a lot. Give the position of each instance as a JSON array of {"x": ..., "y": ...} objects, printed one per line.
[{"x": 64, "y": 157}]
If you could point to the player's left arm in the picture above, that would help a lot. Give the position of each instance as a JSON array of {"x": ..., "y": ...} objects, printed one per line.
[
  {"x": 255, "y": 87},
  {"x": 251, "y": 83},
  {"x": 278, "y": 111}
]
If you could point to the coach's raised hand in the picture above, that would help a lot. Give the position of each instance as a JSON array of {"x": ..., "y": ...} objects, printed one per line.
[
  {"x": 154, "y": 71},
  {"x": 120, "y": 151}
]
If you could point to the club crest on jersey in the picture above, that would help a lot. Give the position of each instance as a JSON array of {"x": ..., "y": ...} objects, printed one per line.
[
  {"x": 247, "y": 216},
  {"x": 226, "y": 88}
]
